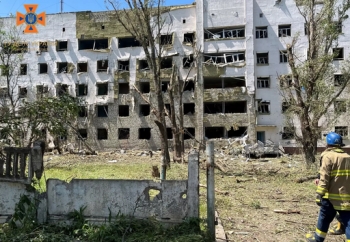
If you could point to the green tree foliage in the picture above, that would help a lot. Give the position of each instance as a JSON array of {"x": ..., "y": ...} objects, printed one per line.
[{"x": 310, "y": 91}]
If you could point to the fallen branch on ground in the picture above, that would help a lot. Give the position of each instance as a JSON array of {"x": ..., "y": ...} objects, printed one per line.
[
  {"x": 304, "y": 179},
  {"x": 286, "y": 211}
]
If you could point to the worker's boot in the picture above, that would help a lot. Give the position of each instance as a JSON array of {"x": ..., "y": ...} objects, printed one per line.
[
  {"x": 310, "y": 238},
  {"x": 337, "y": 230}
]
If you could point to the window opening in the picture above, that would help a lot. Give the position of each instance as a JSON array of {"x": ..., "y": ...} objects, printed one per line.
[
  {"x": 82, "y": 133},
  {"x": 166, "y": 39},
  {"x": 187, "y": 61},
  {"x": 284, "y": 30},
  {"x": 212, "y": 108},
  {"x": 102, "y": 111},
  {"x": 43, "y": 47},
  {"x": 123, "y": 110},
  {"x": 169, "y": 133},
  {"x": 339, "y": 80},
  {"x": 128, "y": 42},
  {"x": 238, "y": 32},
  {"x": 92, "y": 44},
  {"x": 288, "y": 133},
  {"x": 189, "y": 133},
  {"x": 340, "y": 106},
  {"x": 189, "y": 86},
  {"x": 341, "y": 130},
  {"x": 212, "y": 82},
  {"x": 102, "y": 65},
  {"x": 264, "y": 107},
  {"x": 123, "y": 65},
  {"x": 22, "y": 92},
  {"x": 166, "y": 63},
  {"x": 234, "y": 82},
  {"x": 283, "y": 56},
  {"x": 124, "y": 88},
  {"x": 62, "y": 45},
  {"x": 261, "y": 32},
  {"x": 235, "y": 107},
  {"x": 82, "y": 90},
  {"x": 14, "y": 48},
  {"x": 145, "y": 133},
  {"x": 189, "y": 38},
  {"x": 42, "y": 91},
  {"x": 236, "y": 132},
  {"x": 61, "y": 89},
  {"x": 165, "y": 86},
  {"x": 62, "y": 67},
  {"x": 43, "y": 68},
  {"x": 338, "y": 53},
  {"x": 285, "y": 106},
  {"x": 189, "y": 108},
  {"x": 263, "y": 82},
  {"x": 82, "y": 112},
  {"x": 123, "y": 133},
  {"x": 102, "y": 134},
  {"x": 223, "y": 59},
  {"x": 144, "y": 87},
  {"x": 82, "y": 66},
  {"x": 214, "y": 132},
  {"x": 102, "y": 89},
  {"x": 262, "y": 58},
  {"x": 145, "y": 109},
  {"x": 143, "y": 65},
  {"x": 23, "y": 69}
]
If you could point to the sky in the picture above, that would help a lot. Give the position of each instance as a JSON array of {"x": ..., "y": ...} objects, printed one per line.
[{"x": 8, "y": 7}]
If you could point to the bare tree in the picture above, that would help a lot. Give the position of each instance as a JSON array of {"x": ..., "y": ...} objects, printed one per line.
[
  {"x": 310, "y": 91},
  {"x": 146, "y": 21}
]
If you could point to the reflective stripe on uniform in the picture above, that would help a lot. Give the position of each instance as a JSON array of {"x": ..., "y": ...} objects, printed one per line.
[
  {"x": 320, "y": 233},
  {"x": 340, "y": 173},
  {"x": 321, "y": 190}
]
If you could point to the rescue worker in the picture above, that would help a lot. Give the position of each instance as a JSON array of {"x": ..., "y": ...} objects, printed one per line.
[{"x": 333, "y": 191}]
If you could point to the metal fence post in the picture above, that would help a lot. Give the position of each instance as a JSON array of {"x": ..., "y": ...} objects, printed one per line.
[
  {"x": 210, "y": 190},
  {"x": 193, "y": 185}
]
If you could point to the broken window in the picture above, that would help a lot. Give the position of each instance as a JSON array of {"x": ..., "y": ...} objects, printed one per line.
[
  {"x": 264, "y": 107},
  {"x": 216, "y": 107},
  {"x": 3, "y": 92},
  {"x": 123, "y": 110},
  {"x": 263, "y": 82},
  {"x": 339, "y": 80},
  {"x": 102, "y": 134},
  {"x": 123, "y": 65},
  {"x": 212, "y": 82},
  {"x": 214, "y": 132},
  {"x": 143, "y": 65},
  {"x": 102, "y": 111},
  {"x": 82, "y": 112},
  {"x": 284, "y": 30},
  {"x": 236, "y": 132},
  {"x": 123, "y": 133},
  {"x": 340, "y": 106},
  {"x": 22, "y": 92},
  {"x": 232, "y": 82},
  {"x": 23, "y": 69},
  {"x": 338, "y": 53},
  {"x": 144, "y": 133},
  {"x": 286, "y": 80},
  {"x": 341, "y": 130},
  {"x": 288, "y": 132},
  {"x": 42, "y": 91},
  {"x": 166, "y": 39},
  {"x": 124, "y": 88},
  {"x": 189, "y": 86},
  {"x": 189, "y": 38},
  {"x": 165, "y": 86},
  {"x": 82, "y": 133},
  {"x": 225, "y": 58},
  {"x": 189, "y": 108},
  {"x": 82, "y": 66},
  {"x": 62, "y": 45},
  {"x": 169, "y": 133},
  {"x": 102, "y": 89},
  {"x": 285, "y": 106},
  {"x": 92, "y": 44},
  {"x": 43, "y": 46},
  {"x": 235, "y": 107},
  {"x": 43, "y": 68},
  {"x": 283, "y": 56},
  {"x": 237, "y": 32},
  {"x": 262, "y": 58},
  {"x": 14, "y": 48},
  {"x": 189, "y": 133},
  {"x": 61, "y": 89},
  {"x": 81, "y": 90},
  {"x": 144, "y": 87},
  {"x": 128, "y": 42},
  {"x": 62, "y": 67},
  {"x": 102, "y": 65},
  {"x": 145, "y": 109},
  {"x": 261, "y": 32},
  {"x": 166, "y": 63},
  {"x": 187, "y": 61}
]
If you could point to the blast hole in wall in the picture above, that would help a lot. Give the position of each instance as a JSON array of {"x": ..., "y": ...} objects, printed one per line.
[{"x": 153, "y": 193}]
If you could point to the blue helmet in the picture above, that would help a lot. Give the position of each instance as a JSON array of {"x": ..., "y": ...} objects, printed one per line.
[{"x": 334, "y": 139}]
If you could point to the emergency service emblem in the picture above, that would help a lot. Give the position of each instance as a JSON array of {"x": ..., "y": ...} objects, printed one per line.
[{"x": 30, "y": 19}]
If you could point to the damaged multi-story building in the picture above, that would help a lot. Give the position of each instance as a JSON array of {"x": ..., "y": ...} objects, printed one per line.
[{"x": 232, "y": 91}]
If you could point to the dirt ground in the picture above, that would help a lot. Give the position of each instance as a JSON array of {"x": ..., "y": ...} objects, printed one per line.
[{"x": 249, "y": 191}]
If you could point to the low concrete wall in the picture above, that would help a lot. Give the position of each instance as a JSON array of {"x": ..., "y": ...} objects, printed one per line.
[{"x": 169, "y": 201}]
